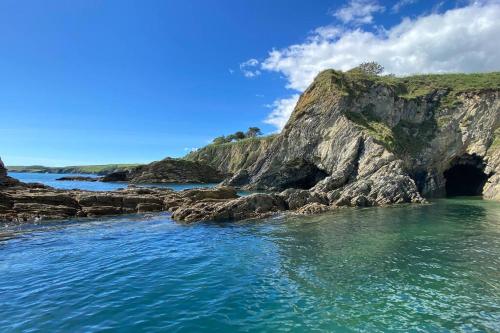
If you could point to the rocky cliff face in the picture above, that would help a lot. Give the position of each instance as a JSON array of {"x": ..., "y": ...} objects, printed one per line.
[
  {"x": 230, "y": 158},
  {"x": 172, "y": 170},
  {"x": 4, "y": 179},
  {"x": 366, "y": 140},
  {"x": 3, "y": 171}
]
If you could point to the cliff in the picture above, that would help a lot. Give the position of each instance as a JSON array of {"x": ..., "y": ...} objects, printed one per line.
[
  {"x": 378, "y": 139},
  {"x": 387, "y": 139},
  {"x": 232, "y": 157},
  {"x": 168, "y": 170}
]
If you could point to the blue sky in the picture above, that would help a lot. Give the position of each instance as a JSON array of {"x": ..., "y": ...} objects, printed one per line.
[{"x": 91, "y": 82}]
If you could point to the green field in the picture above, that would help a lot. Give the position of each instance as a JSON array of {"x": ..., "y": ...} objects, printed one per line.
[{"x": 90, "y": 169}]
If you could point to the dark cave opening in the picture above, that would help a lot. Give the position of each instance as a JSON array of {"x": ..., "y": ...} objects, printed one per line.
[
  {"x": 298, "y": 174},
  {"x": 466, "y": 177}
]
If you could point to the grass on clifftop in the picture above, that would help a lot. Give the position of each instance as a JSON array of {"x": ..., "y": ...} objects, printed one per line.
[{"x": 408, "y": 86}]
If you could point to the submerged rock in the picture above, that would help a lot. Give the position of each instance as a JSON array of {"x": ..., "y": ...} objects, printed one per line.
[{"x": 79, "y": 179}]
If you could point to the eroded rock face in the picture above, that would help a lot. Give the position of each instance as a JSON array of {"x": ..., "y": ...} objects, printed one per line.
[
  {"x": 256, "y": 205},
  {"x": 373, "y": 145},
  {"x": 3, "y": 171},
  {"x": 5, "y": 180},
  {"x": 21, "y": 202},
  {"x": 172, "y": 170}
]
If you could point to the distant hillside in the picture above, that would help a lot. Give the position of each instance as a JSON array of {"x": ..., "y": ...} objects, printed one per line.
[{"x": 90, "y": 169}]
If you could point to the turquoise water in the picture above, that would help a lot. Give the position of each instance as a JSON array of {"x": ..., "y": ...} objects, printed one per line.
[
  {"x": 50, "y": 180},
  {"x": 421, "y": 268}
]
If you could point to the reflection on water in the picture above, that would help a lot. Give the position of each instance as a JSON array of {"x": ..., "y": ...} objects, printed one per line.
[{"x": 428, "y": 268}]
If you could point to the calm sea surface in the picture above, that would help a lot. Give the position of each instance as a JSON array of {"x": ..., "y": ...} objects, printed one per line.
[
  {"x": 50, "y": 180},
  {"x": 419, "y": 268}
]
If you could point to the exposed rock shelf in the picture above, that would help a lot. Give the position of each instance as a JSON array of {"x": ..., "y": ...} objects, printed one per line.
[{"x": 169, "y": 170}]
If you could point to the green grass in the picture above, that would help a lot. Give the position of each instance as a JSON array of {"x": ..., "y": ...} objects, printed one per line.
[
  {"x": 91, "y": 169},
  {"x": 381, "y": 132}
]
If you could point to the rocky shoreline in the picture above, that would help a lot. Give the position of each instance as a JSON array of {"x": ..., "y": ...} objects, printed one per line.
[
  {"x": 352, "y": 140},
  {"x": 22, "y": 202}
]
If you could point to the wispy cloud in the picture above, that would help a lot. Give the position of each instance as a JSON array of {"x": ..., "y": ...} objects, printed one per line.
[
  {"x": 402, "y": 3},
  {"x": 282, "y": 109},
  {"x": 250, "y": 68},
  {"x": 358, "y": 11}
]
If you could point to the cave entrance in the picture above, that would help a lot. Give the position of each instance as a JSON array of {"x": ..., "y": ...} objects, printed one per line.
[{"x": 466, "y": 176}]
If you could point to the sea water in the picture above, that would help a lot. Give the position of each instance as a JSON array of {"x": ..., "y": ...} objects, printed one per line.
[
  {"x": 50, "y": 179},
  {"x": 410, "y": 268}
]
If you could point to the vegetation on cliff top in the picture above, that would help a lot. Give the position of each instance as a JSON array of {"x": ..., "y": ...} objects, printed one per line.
[
  {"x": 252, "y": 132},
  {"x": 355, "y": 81}
]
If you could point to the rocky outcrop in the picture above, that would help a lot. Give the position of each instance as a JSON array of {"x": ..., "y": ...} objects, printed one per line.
[
  {"x": 20, "y": 202},
  {"x": 369, "y": 140},
  {"x": 5, "y": 180},
  {"x": 233, "y": 157},
  {"x": 78, "y": 179},
  {"x": 169, "y": 170},
  {"x": 118, "y": 176}
]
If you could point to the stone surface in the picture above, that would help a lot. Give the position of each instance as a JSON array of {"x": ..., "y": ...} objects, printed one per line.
[
  {"x": 172, "y": 170},
  {"x": 351, "y": 141},
  {"x": 373, "y": 140},
  {"x": 256, "y": 205},
  {"x": 79, "y": 178}
]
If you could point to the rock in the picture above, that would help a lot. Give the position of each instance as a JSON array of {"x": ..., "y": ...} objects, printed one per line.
[
  {"x": 79, "y": 178},
  {"x": 118, "y": 176},
  {"x": 231, "y": 158},
  {"x": 296, "y": 198},
  {"x": 345, "y": 127},
  {"x": 4, "y": 179},
  {"x": 3, "y": 170},
  {"x": 209, "y": 193},
  {"x": 172, "y": 170},
  {"x": 313, "y": 208},
  {"x": 242, "y": 177},
  {"x": 252, "y": 206}
]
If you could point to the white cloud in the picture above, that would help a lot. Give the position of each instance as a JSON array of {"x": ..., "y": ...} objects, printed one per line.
[
  {"x": 358, "y": 11},
  {"x": 191, "y": 149},
  {"x": 458, "y": 40},
  {"x": 402, "y": 3},
  {"x": 282, "y": 109},
  {"x": 249, "y": 68}
]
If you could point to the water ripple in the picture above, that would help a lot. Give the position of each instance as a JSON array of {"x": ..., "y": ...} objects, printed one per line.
[{"x": 430, "y": 268}]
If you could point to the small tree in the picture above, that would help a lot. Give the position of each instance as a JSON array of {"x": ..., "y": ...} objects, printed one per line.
[
  {"x": 239, "y": 135},
  {"x": 370, "y": 68},
  {"x": 220, "y": 139},
  {"x": 253, "y": 132}
]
